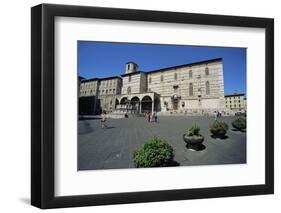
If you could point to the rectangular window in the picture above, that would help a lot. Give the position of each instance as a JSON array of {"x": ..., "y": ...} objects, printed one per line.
[
  {"x": 162, "y": 78},
  {"x": 190, "y": 89},
  {"x": 207, "y": 88},
  {"x": 207, "y": 71},
  {"x": 190, "y": 73}
]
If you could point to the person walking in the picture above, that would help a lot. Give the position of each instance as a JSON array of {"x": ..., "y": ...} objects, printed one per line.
[
  {"x": 155, "y": 117},
  {"x": 149, "y": 116},
  {"x": 216, "y": 115},
  {"x": 103, "y": 120}
]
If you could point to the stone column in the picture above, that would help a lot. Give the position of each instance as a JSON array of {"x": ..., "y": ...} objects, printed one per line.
[
  {"x": 140, "y": 107},
  {"x": 152, "y": 107}
]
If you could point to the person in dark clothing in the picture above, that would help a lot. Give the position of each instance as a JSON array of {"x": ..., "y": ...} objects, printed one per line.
[{"x": 155, "y": 117}]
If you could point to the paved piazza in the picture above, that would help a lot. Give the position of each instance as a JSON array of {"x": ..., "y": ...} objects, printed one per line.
[{"x": 112, "y": 148}]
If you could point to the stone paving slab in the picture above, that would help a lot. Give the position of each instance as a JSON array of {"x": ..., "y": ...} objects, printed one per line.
[{"x": 113, "y": 148}]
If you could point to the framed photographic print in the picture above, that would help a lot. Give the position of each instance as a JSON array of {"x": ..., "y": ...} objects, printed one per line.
[{"x": 139, "y": 106}]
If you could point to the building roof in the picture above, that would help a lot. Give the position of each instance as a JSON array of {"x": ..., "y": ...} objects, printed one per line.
[
  {"x": 132, "y": 73},
  {"x": 131, "y": 62},
  {"x": 90, "y": 79},
  {"x": 159, "y": 70},
  {"x": 108, "y": 78},
  {"x": 99, "y": 79},
  {"x": 186, "y": 65},
  {"x": 234, "y": 95}
]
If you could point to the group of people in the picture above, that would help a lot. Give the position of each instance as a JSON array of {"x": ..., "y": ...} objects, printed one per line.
[
  {"x": 217, "y": 115},
  {"x": 152, "y": 116}
]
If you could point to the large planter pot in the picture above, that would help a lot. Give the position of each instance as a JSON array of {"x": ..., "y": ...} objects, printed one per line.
[
  {"x": 239, "y": 127},
  {"x": 239, "y": 124},
  {"x": 193, "y": 143},
  {"x": 218, "y": 133}
]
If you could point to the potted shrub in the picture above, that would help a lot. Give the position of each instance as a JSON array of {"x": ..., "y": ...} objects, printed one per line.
[
  {"x": 240, "y": 123},
  {"x": 219, "y": 129},
  {"x": 154, "y": 153},
  {"x": 193, "y": 138}
]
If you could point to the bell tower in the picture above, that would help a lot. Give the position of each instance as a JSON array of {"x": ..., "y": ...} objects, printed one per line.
[{"x": 131, "y": 67}]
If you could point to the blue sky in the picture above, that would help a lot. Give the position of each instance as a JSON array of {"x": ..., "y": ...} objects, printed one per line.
[{"x": 105, "y": 59}]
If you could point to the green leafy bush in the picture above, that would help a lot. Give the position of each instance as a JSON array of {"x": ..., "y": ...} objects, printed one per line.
[
  {"x": 240, "y": 123},
  {"x": 154, "y": 153},
  {"x": 192, "y": 135},
  {"x": 217, "y": 125},
  {"x": 194, "y": 130},
  {"x": 219, "y": 128}
]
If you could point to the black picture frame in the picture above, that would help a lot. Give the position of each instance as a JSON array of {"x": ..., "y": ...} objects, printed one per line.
[{"x": 43, "y": 117}]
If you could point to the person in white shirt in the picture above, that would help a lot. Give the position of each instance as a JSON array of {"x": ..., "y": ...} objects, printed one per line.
[{"x": 103, "y": 120}]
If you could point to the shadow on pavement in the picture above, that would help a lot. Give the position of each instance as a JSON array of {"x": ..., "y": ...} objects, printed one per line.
[
  {"x": 110, "y": 127},
  {"x": 199, "y": 147},
  {"x": 219, "y": 137}
]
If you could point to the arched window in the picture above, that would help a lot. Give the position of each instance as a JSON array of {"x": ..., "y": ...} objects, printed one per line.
[
  {"x": 207, "y": 88},
  {"x": 129, "y": 90},
  {"x": 190, "y": 89},
  {"x": 190, "y": 73},
  {"x": 206, "y": 71}
]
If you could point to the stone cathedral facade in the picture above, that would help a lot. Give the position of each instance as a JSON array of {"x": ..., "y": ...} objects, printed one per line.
[{"x": 188, "y": 88}]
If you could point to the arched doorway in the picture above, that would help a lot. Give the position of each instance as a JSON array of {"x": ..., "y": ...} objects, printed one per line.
[
  {"x": 135, "y": 102},
  {"x": 146, "y": 104},
  {"x": 124, "y": 103}
]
